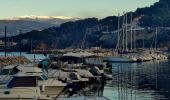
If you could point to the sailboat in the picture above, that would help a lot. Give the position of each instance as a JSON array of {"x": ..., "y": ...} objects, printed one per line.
[
  {"x": 156, "y": 54},
  {"x": 123, "y": 55}
]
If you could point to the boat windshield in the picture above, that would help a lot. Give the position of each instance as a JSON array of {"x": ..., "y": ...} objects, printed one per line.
[
  {"x": 43, "y": 77},
  {"x": 7, "y": 72}
]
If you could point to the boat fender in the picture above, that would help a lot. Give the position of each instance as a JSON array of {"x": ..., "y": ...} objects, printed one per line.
[{"x": 42, "y": 88}]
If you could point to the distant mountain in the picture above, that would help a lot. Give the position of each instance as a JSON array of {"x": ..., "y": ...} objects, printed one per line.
[{"x": 29, "y": 23}]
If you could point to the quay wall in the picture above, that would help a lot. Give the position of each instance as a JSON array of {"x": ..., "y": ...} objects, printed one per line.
[{"x": 4, "y": 61}]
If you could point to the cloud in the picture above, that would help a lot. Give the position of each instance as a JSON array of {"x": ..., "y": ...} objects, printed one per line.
[{"x": 41, "y": 17}]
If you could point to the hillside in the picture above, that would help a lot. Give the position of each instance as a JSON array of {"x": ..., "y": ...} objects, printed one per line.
[
  {"x": 155, "y": 15},
  {"x": 72, "y": 34}
]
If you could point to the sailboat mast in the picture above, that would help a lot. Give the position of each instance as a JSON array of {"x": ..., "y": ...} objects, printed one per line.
[
  {"x": 156, "y": 37},
  {"x": 5, "y": 42},
  {"x": 131, "y": 32},
  {"x": 118, "y": 33},
  {"x": 31, "y": 45},
  {"x": 84, "y": 39},
  {"x": 144, "y": 40},
  {"x": 123, "y": 29},
  {"x": 20, "y": 41},
  {"x": 135, "y": 37},
  {"x": 126, "y": 36}
]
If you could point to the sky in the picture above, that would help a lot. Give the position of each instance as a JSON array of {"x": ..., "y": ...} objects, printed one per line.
[{"x": 69, "y": 8}]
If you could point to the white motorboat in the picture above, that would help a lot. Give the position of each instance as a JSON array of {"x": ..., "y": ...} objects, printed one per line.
[
  {"x": 66, "y": 75},
  {"x": 7, "y": 72},
  {"x": 30, "y": 83},
  {"x": 23, "y": 86}
]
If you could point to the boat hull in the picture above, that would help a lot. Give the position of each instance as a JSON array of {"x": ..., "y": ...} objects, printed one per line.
[
  {"x": 53, "y": 91},
  {"x": 120, "y": 60}
]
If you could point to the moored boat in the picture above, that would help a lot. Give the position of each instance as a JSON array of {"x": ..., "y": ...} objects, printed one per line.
[{"x": 122, "y": 59}]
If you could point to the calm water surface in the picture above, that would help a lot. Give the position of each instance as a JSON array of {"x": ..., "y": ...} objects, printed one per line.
[
  {"x": 140, "y": 81},
  {"x": 31, "y": 57}
]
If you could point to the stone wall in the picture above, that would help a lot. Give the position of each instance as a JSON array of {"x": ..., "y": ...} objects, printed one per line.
[{"x": 13, "y": 60}]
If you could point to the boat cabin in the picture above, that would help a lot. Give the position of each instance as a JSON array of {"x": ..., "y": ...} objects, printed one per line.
[
  {"x": 25, "y": 80},
  {"x": 28, "y": 81}
]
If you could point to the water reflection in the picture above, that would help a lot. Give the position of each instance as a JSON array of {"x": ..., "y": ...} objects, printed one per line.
[{"x": 139, "y": 81}]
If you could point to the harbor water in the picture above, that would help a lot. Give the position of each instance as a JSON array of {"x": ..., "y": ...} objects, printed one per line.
[
  {"x": 139, "y": 81},
  {"x": 131, "y": 81},
  {"x": 32, "y": 57}
]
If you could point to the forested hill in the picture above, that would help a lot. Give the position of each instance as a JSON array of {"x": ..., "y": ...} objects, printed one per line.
[
  {"x": 72, "y": 34},
  {"x": 155, "y": 15}
]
